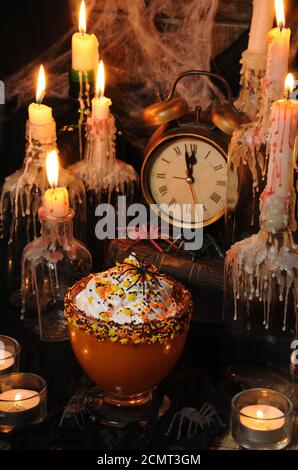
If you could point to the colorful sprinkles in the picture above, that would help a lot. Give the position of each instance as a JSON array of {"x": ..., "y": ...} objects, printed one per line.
[{"x": 169, "y": 322}]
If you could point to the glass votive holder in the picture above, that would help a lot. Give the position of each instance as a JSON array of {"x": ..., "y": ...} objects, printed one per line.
[
  {"x": 10, "y": 354},
  {"x": 23, "y": 400},
  {"x": 262, "y": 419}
]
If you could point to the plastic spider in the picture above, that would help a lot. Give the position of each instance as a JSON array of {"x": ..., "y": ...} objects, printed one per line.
[{"x": 142, "y": 269}]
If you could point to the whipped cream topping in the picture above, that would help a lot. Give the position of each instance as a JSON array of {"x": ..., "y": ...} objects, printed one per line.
[{"x": 120, "y": 295}]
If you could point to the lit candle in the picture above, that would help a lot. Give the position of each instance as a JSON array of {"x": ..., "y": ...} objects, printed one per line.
[
  {"x": 56, "y": 201},
  {"x": 84, "y": 46},
  {"x": 278, "y": 53},
  {"x": 18, "y": 400},
  {"x": 6, "y": 361},
  {"x": 40, "y": 114},
  {"x": 262, "y": 417},
  {"x": 100, "y": 104},
  {"x": 262, "y": 20},
  {"x": 284, "y": 129}
]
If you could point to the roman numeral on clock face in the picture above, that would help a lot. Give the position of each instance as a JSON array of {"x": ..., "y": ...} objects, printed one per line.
[
  {"x": 218, "y": 167},
  {"x": 215, "y": 198},
  {"x": 163, "y": 190},
  {"x": 161, "y": 175},
  {"x": 177, "y": 150},
  {"x": 221, "y": 183},
  {"x": 194, "y": 148},
  {"x": 173, "y": 201}
]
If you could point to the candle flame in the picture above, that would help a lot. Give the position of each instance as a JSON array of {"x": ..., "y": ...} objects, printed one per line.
[
  {"x": 100, "y": 81},
  {"x": 289, "y": 83},
  {"x": 41, "y": 85},
  {"x": 18, "y": 397},
  {"x": 260, "y": 414},
  {"x": 52, "y": 166},
  {"x": 280, "y": 13},
  {"x": 82, "y": 18}
]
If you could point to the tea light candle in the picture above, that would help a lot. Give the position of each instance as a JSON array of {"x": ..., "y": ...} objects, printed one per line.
[
  {"x": 56, "y": 200},
  {"x": 84, "y": 46},
  {"x": 40, "y": 114},
  {"x": 6, "y": 361},
  {"x": 17, "y": 400},
  {"x": 100, "y": 104},
  {"x": 23, "y": 400},
  {"x": 262, "y": 417}
]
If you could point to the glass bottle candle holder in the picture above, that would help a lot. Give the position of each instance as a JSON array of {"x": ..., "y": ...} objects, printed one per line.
[
  {"x": 10, "y": 354},
  {"x": 50, "y": 264},
  {"x": 72, "y": 136},
  {"x": 23, "y": 401},
  {"x": 105, "y": 178},
  {"x": 262, "y": 419},
  {"x": 21, "y": 199}
]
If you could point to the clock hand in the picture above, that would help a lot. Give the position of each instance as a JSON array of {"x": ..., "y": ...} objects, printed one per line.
[
  {"x": 192, "y": 160},
  {"x": 186, "y": 156}
]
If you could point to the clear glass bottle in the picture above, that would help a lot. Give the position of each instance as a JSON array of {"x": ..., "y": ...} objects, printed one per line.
[
  {"x": 21, "y": 199},
  {"x": 105, "y": 179},
  {"x": 72, "y": 135},
  {"x": 51, "y": 264}
]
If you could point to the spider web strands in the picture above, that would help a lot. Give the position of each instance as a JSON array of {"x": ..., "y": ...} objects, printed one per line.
[{"x": 146, "y": 44}]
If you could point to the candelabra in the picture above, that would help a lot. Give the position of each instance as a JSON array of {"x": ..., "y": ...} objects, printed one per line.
[
  {"x": 261, "y": 274},
  {"x": 250, "y": 146}
]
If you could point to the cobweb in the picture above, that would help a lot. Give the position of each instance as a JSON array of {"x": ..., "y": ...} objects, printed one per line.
[{"x": 145, "y": 44}]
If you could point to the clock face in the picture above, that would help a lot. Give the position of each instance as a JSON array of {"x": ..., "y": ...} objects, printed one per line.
[{"x": 188, "y": 171}]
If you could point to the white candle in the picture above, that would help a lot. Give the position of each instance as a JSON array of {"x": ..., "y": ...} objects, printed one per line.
[
  {"x": 16, "y": 400},
  {"x": 40, "y": 114},
  {"x": 262, "y": 20},
  {"x": 100, "y": 104},
  {"x": 84, "y": 46},
  {"x": 56, "y": 200},
  {"x": 6, "y": 361},
  {"x": 284, "y": 130},
  {"x": 262, "y": 417},
  {"x": 278, "y": 54}
]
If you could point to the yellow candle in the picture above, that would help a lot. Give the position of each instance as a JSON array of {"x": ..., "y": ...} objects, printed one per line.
[
  {"x": 262, "y": 20},
  {"x": 84, "y": 46},
  {"x": 40, "y": 114},
  {"x": 16, "y": 400},
  {"x": 262, "y": 417},
  {"x": 56, "y": 200},
  {"x": 278, "y": 53},
  {"x": 100, "y": 104}
]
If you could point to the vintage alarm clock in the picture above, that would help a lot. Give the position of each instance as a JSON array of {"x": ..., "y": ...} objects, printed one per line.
[{"x": 186, "y": 157}]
